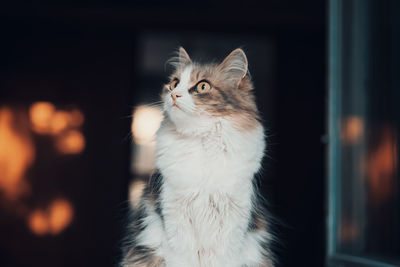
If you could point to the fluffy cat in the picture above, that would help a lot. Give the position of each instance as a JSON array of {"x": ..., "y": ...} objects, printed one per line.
[{"x": 201, "y": 208}]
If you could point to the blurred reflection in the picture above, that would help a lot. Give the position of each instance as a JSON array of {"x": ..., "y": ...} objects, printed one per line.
[
  {"x": 17, "y": 153},
  {"x": 382, "y": 166},
  {"x": 53, "y": 220},
  {"x": 352, "y": 129},
  {"x": 135, "y": 192},
  {"x": 146, "y": 121},
  {"x": 348, "y": 231}
]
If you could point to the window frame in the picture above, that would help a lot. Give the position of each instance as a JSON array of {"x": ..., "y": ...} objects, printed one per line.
[{"x": 335, "y": 82}]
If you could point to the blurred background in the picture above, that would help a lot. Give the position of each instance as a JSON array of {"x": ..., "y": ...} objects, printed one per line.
[{"x": 76, "y": 79}]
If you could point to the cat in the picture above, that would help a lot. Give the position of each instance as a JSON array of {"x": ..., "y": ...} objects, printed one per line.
[{"x": 201, "y": 207}]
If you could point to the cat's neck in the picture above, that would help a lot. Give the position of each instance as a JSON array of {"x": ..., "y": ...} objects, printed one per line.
[
  {"x": 215, "y": 160},
  {"x": 216, "y": 134},
  {"x": 186, "y": 126}
]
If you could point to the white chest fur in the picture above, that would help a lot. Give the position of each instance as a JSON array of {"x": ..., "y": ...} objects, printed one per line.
[{"x": 207, "y": 193}]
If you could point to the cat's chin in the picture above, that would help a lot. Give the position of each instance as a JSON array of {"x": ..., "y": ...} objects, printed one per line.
[
  {"x": 177, "y": 113},
  {"x": 190, "y": 124},
  {"x": 176, "y": 108}
]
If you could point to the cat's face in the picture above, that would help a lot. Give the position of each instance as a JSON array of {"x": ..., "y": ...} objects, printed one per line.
[{"x": 199, "y": 95}]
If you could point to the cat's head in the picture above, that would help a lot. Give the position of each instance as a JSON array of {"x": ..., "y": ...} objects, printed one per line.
[{"x": 199, "y": 95}]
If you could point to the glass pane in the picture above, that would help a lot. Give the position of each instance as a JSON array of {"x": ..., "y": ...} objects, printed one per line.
[{"x": 368, "y": 221}]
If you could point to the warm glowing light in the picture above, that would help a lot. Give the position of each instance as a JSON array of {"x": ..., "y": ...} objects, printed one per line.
[
  {"x": 382, "y": 165},
  {"x": 38, "y": 222},
  {"x": 70, "y": 142},
  {"x": 144, "y": 158},
  {"x": 61, "y": 214},
  {"x": 59, "y": 122},
  {"x": 53, "y": 220},
  {"x": 352, "y": 129},
  {"x": 40, "y": 114},
  {"x": 16, "y": 155},
  {"x": 135, "y": 192},
  {"x": 46, "y": 119},
  {"x": 76, "y": 118},
  {"x": 146, "y": 121}
]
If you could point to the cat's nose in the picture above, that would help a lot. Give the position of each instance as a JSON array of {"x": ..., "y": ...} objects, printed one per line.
[{"x": 174, "y": 95}]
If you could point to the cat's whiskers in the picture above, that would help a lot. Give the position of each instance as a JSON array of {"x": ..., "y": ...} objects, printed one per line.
[{"x": 157, "y": 104}]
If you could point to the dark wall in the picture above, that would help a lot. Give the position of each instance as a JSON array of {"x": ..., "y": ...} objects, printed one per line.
[
  {"x": 300, "y": 178},
  {"x": 88, "y": 56},
  {"x": 90, "y": 70}
]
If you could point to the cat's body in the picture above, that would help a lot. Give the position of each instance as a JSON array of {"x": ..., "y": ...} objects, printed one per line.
[{"x": 201, "y": 207}]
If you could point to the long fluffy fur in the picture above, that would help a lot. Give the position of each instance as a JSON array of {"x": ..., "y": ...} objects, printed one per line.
[{"x": 201, "y": 208}]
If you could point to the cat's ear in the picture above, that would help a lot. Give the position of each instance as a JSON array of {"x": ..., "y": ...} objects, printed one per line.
[
  {"x": 184, "y": 58},
  {"x": 235, "y": 66},
  {"x": 180, "y": 60}
]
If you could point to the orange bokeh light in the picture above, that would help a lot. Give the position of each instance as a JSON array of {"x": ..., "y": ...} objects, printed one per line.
[
  {"x": 40, "y": 114},
  {"x": 58, "y": 122},
  {"x": 61, "y": 215},
  {"x": 38, "y": 222},
  {"x": 76, "y": 118},
  {"x": 17, "y": 153},
  {"x": 70, "y": 142},
  {"x": 46, "y": 119},
  {"x": 53, "y": 220}
]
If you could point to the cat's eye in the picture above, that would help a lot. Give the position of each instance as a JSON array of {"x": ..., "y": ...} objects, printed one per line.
[
  {"x": 173, "y": 84},
  {"x": 203, "y": 87}
]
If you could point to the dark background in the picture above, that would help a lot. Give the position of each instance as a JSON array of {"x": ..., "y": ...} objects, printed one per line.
[{"x": 96, "y": 57}]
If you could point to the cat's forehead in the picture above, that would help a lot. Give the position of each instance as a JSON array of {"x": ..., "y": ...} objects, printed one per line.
[
  {"x": 198, "y": 72},
  {"x": 203, "y": 70}
]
